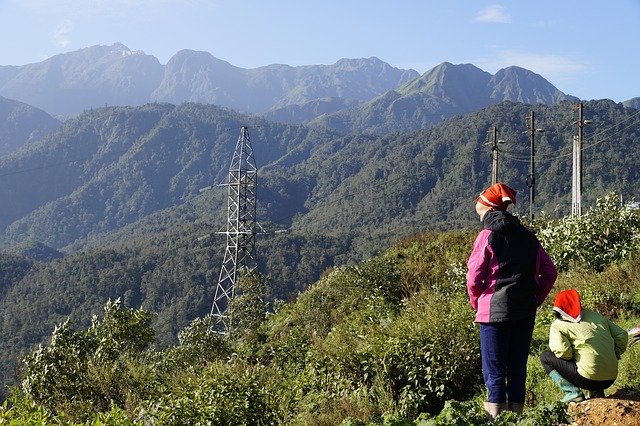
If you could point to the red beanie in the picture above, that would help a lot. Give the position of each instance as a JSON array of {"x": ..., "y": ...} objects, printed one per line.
[
  {"x": 498, "y": 196},
  {"x": 567, "y": 303}
]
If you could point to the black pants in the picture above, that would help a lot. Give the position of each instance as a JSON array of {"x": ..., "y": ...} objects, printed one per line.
[{"x": 569, "y": 370}]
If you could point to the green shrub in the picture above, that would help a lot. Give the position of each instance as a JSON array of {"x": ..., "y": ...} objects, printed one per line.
[
  {"x": 81, "y": 373},
  {"x": 198, "y": 346},
  {"x": 607, "y": 233},
  {"x": 23, "y": 411},
  {"x": 471, "y": 413},
  {"x": 432, "y": 354},
  {"x": 232, "y": 394}
]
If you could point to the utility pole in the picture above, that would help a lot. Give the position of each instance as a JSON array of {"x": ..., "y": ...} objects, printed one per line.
[
  {"x": 494, "y": 153},
  {"x": 576, "y": 187},
  {"x": 531, "y": 179},
  {"x": 239, "y": 256}
]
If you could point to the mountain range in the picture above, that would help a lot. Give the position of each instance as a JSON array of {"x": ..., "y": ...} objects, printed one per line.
[
  {"x": 117, "y": 167},
  {"x": 444, "y": 91},
  {"x": 96, "y": 76},
  {"x": 384, "y": 98}
]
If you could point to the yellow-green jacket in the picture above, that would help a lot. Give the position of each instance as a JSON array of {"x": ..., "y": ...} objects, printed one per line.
[{"x": 595, "y": 343}]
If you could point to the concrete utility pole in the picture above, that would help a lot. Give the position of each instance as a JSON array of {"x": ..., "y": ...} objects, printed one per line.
[
  {"x": 239, "y": 256},
  {"x": 494, "y": 153},
  {"x": 531, "y": 179},
  {"x": 576, "y": 187}
]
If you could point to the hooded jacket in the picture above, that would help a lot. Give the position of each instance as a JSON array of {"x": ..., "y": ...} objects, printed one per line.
[
  {"x": 594, "y": 342},
  {"x": 509, "y": 273}
]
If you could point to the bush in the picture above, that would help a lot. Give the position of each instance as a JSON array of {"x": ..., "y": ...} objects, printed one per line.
[
  {"x": 231, "y": 394},
  {"x": 607, "y": 233},
  {"x": 431, "y": 355},
  {"x": 198, "y": 346},
  {"x": 81, "y": 373}
]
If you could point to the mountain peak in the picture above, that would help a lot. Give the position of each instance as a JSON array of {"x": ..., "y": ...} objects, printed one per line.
[
  {"x": 518, "y": 84},
  {"x": 447, "y": 78}
]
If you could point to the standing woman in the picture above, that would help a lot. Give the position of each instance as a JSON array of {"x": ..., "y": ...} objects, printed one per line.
[{"x": 509, "y": 276}]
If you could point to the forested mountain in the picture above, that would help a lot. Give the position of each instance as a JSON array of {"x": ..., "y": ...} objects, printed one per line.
[
  {"x": 21, "y": 123},
  {"x": 97, "y": 76},
  {"x": 444, "y": 91},
  {"x": 112, "y": 167},
  {"x": 121, "y": 184}
]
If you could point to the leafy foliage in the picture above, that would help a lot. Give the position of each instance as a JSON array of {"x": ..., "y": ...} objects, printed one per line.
[
  {"x": 223, "y": 394},
  {"x": 608, "y": 233},
  {"x": 387, "y": 341},
  {"x": 78, "y": 373}
]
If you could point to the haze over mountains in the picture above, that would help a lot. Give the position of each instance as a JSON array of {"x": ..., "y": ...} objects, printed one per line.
[
  {"x": 21, "y": 123},
  {"x": 67, "y": 84},
  {"x": 97, "y": 76}
]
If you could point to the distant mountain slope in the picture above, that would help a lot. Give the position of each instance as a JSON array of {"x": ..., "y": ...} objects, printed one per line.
[
  {"x": 363, "y": 189},
  {"x": 98, "y": 76},
  {"x": 192, "y": 76},
  {"x": 92, "y": 77},
  {"x": 632, "y": 103},
  {"x": 200, "y": 77},
  {"x": 444, "y": 91},
  {"x": 381, "y": 188},
  {"x": 303, "y": 113},
  {"x": 21, "y": 123},
  {"x": 112, "y": 166}
]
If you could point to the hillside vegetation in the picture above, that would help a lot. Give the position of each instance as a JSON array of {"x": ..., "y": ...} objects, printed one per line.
[
  {"x": 387, "y": 341},
  {"x": 21, "y": 123},
  {"x": 113, "y": 168}
]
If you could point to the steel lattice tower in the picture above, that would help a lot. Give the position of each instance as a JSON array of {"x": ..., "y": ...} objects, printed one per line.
[{"x": 239, "y": 256}]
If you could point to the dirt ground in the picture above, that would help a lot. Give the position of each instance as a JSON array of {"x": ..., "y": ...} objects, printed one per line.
[{"x": 620, "y": 408}]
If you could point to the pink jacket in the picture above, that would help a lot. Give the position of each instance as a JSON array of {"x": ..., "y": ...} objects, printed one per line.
[{"x": 509, "y": 273}]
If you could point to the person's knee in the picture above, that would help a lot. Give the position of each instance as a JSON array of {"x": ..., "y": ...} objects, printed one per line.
[{"x": 546, "y": 359}]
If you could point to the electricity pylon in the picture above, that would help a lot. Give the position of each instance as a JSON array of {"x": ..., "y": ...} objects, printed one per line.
[{"x": 240, "y": 254}]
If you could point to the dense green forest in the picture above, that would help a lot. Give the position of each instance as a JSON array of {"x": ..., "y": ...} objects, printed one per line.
[{"x": 114, "y": 167}]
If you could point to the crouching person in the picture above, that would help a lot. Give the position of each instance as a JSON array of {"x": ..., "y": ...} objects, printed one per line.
[{"x": 584, "y": 349}]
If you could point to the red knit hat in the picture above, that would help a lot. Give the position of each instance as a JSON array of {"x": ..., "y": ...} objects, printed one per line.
[
  {"x": 498, "y": 196},
  {"x": 567, "y": 303}
]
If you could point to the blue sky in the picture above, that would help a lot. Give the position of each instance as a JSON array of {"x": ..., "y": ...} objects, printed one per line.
[{"x": 585, "y": 48}]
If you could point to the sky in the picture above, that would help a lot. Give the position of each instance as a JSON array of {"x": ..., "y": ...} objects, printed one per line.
[{"x": 588, "y": 48}]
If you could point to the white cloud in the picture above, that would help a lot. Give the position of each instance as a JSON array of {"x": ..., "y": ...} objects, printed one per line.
[
  {"x": 494, "y": 13},
  {"x": 62, "y": 32}
]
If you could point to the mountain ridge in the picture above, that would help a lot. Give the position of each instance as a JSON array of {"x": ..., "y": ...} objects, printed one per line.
[
  {"x": 21, "y": 123},
  {"x": 69, "y": 83},
  {"x": 444, "y": 91}
]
